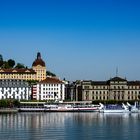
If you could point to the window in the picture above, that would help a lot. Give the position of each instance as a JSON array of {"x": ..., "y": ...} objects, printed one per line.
[{"x": 86, "y": 87}]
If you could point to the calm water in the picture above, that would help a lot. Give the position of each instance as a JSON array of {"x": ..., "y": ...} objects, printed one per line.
[{"x": 69, "y": 126}]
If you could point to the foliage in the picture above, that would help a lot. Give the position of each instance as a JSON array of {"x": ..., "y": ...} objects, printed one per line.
[
  {"x": 11, "y": 63},
  {"x": 1, "y": 60},
  {"x": 32, "y": 81},
  {"x": 50, "y": 74},
  {"x": 16, "y": 103},
  {"x": 19, "y": 66},
  {"x": 9, "y": 103},
  {"x": 5, "y": 65}
]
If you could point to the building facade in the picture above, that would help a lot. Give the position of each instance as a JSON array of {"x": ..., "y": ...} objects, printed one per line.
[
  {"x": 37, "y": 72},
  {"x": 40, "y": 68},
  {"x": 14, "y": 89},
  {"x": 114, "y": 89},
  {"x": 49, "y": 89}
]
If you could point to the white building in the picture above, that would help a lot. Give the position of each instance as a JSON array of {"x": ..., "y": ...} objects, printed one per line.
[
  {"x": 49, "y": 89},
  {"x": 14, "y": 89}
]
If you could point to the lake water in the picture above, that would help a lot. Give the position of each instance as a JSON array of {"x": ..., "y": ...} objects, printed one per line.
[{"x": 69, "y": 126}]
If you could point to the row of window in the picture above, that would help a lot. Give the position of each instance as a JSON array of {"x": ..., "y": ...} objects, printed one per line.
[
  {"x": 13, "y": 97},
  {"x": 22, "y": 76},
  {"x": 50, "y": 88},
  {"x": 106, "y": 92},
  {"x": 107, "y": 98},
  {"x": 112, "y": 87},
  {"x": 50, "y": 85}
]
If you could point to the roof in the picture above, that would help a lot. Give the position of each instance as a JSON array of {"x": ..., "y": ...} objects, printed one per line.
[
  {"x": 17, "y": 71},
  {"x": 117, "y": 79},
  {"x": 51, "y": 80},
  {"x": 13, "y": 83},
  {"x": 38, "y": 61},
  {"x": 135, "y": 83},
  {"x": 99, "y": 83}
]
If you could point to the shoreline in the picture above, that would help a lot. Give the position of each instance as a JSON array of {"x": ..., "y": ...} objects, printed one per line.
[{"x": 9, "y": 110}]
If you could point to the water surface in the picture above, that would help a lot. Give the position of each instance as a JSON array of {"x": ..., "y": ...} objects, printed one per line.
[{"x": 69, "y": 126}]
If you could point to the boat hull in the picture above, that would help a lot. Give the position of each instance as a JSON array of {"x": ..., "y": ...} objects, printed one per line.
[
  {"x": 114, "y": 111},
  {"x": 58, "y": 109}
]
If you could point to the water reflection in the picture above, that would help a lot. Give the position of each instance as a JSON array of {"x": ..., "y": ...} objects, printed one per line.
[{"x": 69, "y": 126}]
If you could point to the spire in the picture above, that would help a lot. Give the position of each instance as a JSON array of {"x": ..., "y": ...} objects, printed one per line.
[
  {"x": 116, "y": 71},
  {"x": 38, "y": 55}
]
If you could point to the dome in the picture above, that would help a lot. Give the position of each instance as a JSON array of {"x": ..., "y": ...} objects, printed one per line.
[{"x": 38, "y": 61}]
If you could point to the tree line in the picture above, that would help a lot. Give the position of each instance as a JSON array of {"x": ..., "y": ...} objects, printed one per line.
[
  {"x": 9, "y": 103},
  {"x": 10, "y": 63}
]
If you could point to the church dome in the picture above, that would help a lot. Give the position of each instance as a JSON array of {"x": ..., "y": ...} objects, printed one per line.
[{"x": 38, "y": 61}]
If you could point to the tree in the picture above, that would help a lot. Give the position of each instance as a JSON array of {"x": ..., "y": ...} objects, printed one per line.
[
  {"x": 11, "y": 63},
  {"x": 5, "y": 65},
  {"x": 1, "y": 60},
  {"x": 50, "y": 74},
  {"x": 16, "y": 103},
  {"x": 19, "y": 66}
]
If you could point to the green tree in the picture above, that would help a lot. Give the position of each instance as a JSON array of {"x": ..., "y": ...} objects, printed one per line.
[
  {"x": 5, "y": 65},
  {"x": 1, "y": 60},
  {"x": 19, "y": 66},
  {"x": 3, "y": 103},
  {"x": 50, "y": 74},
  {"x": 16, "y": 103},
  {"x": 11, "y": 63}
]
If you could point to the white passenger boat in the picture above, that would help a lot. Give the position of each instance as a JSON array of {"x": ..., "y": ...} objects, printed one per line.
[
  {"x": 71, "y": 108},
  {"x": 114, "y": 109},
  {"x": 31, "y": 109}
]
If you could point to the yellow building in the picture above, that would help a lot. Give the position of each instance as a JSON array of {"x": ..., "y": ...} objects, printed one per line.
[
  {"x": 37, "y": 72},
  {"x": 39, "y": 67}
]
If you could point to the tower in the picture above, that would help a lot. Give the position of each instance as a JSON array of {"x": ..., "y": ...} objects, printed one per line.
[{"x": 39, "y": 67}]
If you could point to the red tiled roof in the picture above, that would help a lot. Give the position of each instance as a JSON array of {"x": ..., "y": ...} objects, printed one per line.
[
  {"x": 15, "y": 70},
  {"x": 51, "y": 80}
]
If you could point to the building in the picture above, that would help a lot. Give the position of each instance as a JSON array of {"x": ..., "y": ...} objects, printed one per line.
[
  {"x": 39, "y": 67},
  {"x": 37, "y": 72},
  {"x": 14, "y": 89},
  {"x": 114, "y": 89},
  {"x": 71, "y": 90},
  {"x": 49, "y": 89}
]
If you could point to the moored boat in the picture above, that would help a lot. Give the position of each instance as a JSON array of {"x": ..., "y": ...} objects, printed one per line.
[
  {"x": 133, "y": 108},
  {"x": 61, "y": 108},
  {"x": 31, "y": 109},
  {"x": 114, "y": 108},
  {"x": 71, "y": 108}
]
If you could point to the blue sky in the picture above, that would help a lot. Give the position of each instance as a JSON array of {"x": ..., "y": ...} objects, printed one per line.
[{"x": 78, "y": 39}]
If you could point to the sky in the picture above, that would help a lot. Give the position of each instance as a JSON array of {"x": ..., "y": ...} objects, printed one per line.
[{"x": 78, "y": 39}]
